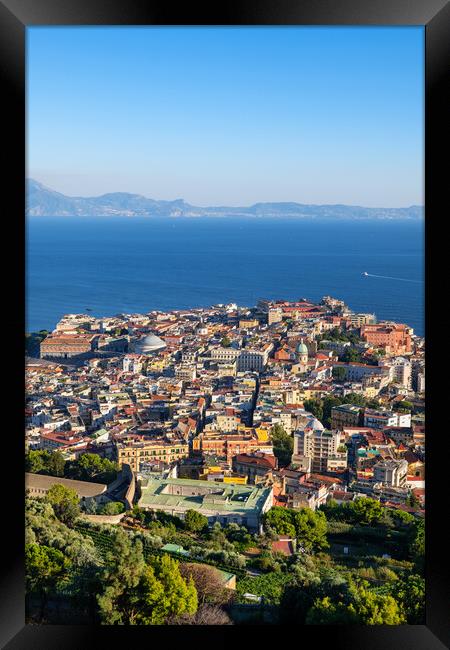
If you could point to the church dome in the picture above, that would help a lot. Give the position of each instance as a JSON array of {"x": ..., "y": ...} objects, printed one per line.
[
  {"x": 148, "y": 344},
  {"x": 315, "y": 424},
  {"x": 301, "y": 348}
]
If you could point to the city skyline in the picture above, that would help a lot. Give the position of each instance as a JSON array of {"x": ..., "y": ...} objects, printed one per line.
[{"x": 303, "y": 114}]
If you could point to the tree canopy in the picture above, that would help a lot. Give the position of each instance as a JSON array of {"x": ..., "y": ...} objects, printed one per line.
[
  {"x": 362, "y": 510},
  {"x": 87, "y": 467},
  {"x": 92, "y": 467},
  {"x": 308, "y": 526},
  {"x": 409, "y": 592},
  {"x": 283, "y": 444},
  {"x": 365, "y": 608},
  {"x": 135, "y": 592},
  {"x": 195, "y": 521},
  {"x": 45, "y": 462},
  {"x": 64, "y": 502},
  {"x": 112, "y": 508},
  {"x": 45, "y": 566}
]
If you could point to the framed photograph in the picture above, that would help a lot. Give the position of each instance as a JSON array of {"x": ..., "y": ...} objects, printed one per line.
[{"x": 224, "y": 221}]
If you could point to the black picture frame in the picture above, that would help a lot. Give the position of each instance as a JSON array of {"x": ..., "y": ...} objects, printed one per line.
[{"x": 15, "y": 16}]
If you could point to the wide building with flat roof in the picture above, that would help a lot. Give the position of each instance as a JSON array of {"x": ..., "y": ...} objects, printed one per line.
[
  {"x": 224, "y": 503},
  {"x": 37, "y": 485}
]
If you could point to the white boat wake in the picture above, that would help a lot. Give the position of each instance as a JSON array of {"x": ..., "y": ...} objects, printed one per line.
[{"x": 389, "y": 277}]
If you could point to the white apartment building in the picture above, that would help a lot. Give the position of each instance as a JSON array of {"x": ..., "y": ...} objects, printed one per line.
[
  {"x": 224, "y": 355},
  {"x": 362, "y": 319},
  {"x": 358, "y": 371},
  {"x": 316, "y": 449},
  {"x": 254, "y": 360},
  {"x": 420, "y": 384},
  {"x": 185, "y": 372},
  {"x": 381, "y": 419},
  {"x": 391, "y": 472},
  {"x": 401, "y": 371},
  {"x": 133, "y": 363}
]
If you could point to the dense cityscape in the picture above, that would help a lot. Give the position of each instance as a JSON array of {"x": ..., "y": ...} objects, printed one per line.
[{"x": 226, "y": 465}]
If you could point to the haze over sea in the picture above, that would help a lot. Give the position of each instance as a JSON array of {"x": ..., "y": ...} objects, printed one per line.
[{"x": 133, "y": 265}]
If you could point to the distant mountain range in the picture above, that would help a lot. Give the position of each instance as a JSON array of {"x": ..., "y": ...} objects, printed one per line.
[{"x": 42, "y": 201}]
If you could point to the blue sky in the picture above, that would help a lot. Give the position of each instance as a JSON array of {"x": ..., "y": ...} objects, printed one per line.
[{"x": 229, "y": 116}]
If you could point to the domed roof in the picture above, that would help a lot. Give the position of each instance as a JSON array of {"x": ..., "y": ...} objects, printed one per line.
[
  {"x": 315, "y": 424},
  {"x": 301, "y": 348},
  {"x": 149, "y": 343}
]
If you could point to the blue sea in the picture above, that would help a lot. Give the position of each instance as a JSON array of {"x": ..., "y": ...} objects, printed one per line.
[{"x": 114, "y": 265}]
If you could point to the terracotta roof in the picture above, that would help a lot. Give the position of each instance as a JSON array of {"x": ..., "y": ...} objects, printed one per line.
[
  {"x": 263, "y": 460},
  {"x": 284, "y": 546}
]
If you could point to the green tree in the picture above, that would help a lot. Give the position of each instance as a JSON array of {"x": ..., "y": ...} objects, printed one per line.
[
  {"x": 64, "y": 502},
  {"x": 267, "y": 561},
  {"x": 225, "y": 342},
  {"x": 315, "y": 407},
  {"x": 311, "y": 529},
  {"x": 280, "y": 520},
  {"x": 34, "y": 461},
  {"x": 56, "y": 464},
  {"x": 42, "y": 525},
  {"x": 195, "y": 521},
  {"x": 112, "y": 508},
  {"x": 239, "y": 536},
  {"x": 356, "y": 399},
  {"x": 283, "y": 444},
  {"x": 339, "y": 373},
  {"x": 401, "y": 517},
  {"x": 367, "y": 511},
  {"x": 136, "y": 593},
  {"x": 45, "y": 567},
  {"x": 409, "y": 592},
  {"x": 375, "y": 609},
  {"x": 327, "y": 404},
  {"x": 326, "y": 612},
  {"x": 120, "y": 599},
  {"x": 404, "y": 406},
  {"x": 416, "y": 545},
  {"x": 180, "y": 596},
  {"x": 413, "y": 501},
  {"x": 365, "y": 608},
  {"x": 350, "y": 355},
  {"x": 45, "y": 462},
  {"x": 89, "y": 467}
]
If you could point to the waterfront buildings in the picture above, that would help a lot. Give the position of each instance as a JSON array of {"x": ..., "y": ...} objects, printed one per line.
[
  {"x": 393, "y": 337},
  {"x": 67, "y": 346},
  {"x": 199, "y": 392}
]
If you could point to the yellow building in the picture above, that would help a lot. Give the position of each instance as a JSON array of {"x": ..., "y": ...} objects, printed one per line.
[
  {"x": 247, "y": 324},
  {"x": 370, "y": 392},
  {"x": 217, "y": 474},
  {"x": 135, "y": 452},
  {"x": 159, "y": 363}
]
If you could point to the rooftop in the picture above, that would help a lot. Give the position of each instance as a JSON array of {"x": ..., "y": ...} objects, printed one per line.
[
  {"x": 204, "y": 496},
  {"x": 82, "y": 488}
]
